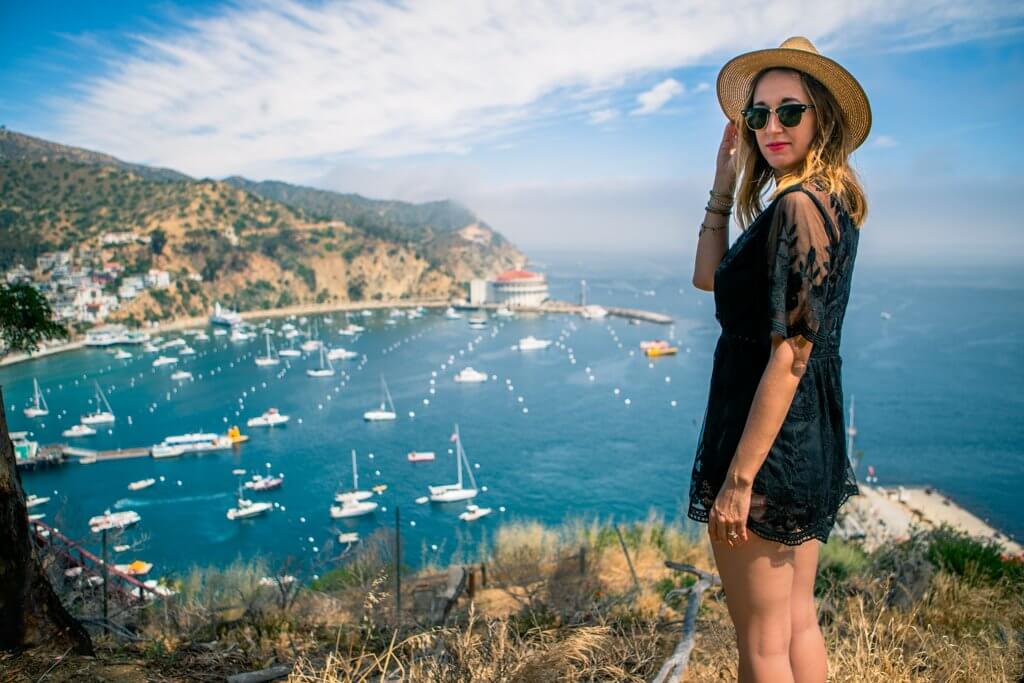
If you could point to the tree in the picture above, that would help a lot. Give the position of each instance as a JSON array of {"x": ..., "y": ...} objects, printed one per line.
[
  {"x": 157, "y": 240},
  {"x": 30, "y": 611}
]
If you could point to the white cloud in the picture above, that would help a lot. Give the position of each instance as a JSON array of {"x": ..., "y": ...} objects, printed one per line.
[
  {"x": 603, "y": 116},
  {"x": 268, "y": 87},
  {"x": 658, "y": 96},
  {"x": 702, "y": 87},
  {"x": 884, "y": 141}
]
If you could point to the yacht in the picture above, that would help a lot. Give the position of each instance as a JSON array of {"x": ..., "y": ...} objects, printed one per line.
[
  {"x": 269, "y": 359},
  {"x": 77, "y": 431},
  {"x": 473, "y": 513},
  {"x": 450, "y": 493},
  {"x": 38, "y": 407},
  {"x": 469, "y": 375},
  {"x": 271, "y": 418},
  {"x": 114, "y": 520},
  {"x": 340, "y": 353},
  {"x": 100, "y": 417},
  {"x": 381, "y": 413},
  {"x": 451, "y": 314},
  {"x": 180, "y": 375},
  {"x": 244, "y": 509},
  {"x": 354, "y": 494},
  {"x": 354, "y": 503},
  {"x": 150, "y": 348},
  {"x": 141, "y": 484},
  {"x": 165, "y": 360},
  {"x": 531, "y": 343}
]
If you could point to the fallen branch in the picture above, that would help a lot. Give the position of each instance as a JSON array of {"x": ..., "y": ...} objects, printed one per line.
[
  {"x": 672, "y": 670},
  {"x": 271, "y": 674}
]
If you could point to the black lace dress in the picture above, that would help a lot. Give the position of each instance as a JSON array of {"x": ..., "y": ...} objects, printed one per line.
[{"x": 789, "y": 274}]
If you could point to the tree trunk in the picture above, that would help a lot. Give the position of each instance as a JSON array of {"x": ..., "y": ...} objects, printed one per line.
[{"x": 30, "y": 612}]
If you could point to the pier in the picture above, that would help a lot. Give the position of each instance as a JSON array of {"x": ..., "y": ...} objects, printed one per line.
[
  {"x": 116, "y": 454},
  {"x": 555, "y": 306}
]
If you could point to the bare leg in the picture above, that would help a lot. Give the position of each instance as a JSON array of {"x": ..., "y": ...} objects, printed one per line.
[
  {"x": 757, "y": 576},
  {"x": 807, "y": 653}
]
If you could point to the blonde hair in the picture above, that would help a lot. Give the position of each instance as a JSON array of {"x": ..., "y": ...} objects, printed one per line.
[{"x": 827, "y": 159}]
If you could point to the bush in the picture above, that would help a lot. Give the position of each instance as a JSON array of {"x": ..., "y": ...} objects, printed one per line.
[{"x": 971, "y": 558}]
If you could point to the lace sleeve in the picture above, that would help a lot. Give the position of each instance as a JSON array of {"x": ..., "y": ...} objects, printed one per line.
[{"x": 798, "y": 253}]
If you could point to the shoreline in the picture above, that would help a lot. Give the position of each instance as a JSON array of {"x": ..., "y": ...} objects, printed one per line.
[{"x": 883, "y": 513}]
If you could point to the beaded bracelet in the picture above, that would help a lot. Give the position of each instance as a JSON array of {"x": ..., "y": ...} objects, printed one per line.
[
  {"x": 710, "y": 228},
  {"x": 720, "y": 210}
]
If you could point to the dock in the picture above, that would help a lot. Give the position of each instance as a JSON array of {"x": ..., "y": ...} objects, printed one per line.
[
  {"x": 555, "y": 306},
  {"x": 116, "y": 454},
  {"x": 882, "y": 514}
]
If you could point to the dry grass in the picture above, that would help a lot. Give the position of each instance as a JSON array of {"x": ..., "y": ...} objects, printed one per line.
[{"x": 548, "y": 615}]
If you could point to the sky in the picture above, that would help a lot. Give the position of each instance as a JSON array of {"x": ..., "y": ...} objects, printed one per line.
[{"x": 588, "y": 126}]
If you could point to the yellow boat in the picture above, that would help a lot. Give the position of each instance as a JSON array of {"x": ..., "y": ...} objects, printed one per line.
[
  {"x": 236, "y": 435},
  {"x": 655, "y": 351}
]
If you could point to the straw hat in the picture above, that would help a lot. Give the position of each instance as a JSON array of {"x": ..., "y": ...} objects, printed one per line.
[{"x": 736, "y": 77}]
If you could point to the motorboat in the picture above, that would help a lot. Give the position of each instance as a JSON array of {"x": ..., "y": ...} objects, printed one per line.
[
  {"x": 654, "y": 352},
  {"x": 181, "y": 375},
  {"x": 531, "y": 343},
  {"x": 173, "y": 343},
  {"x": 33, "y": 500},
  {"x": 38, "y": 407},
  {"x": 349, "y": 537},
  {"x": 244, "y": 509},
  {"x": 150, "y": 348},
  {"x": 136, "y": 568},
  {"x": 224, "y": 316},
  {"x": 421, "y": 456},
  {"x": 165, "y": 360},
  {"x": 654, "y": 344},
  {"x": 271, "y": 418},
  {"x": 121, "y": 354},
  {"x": 478, "y": 321},
  {"x": 468, "y": 375},
  {"x": 473, "y": 513},
  {"x": 504, "y": 312},
  {"x": 264, "y": 483},
  {"x": 339, "y": 353},
  {"x": 450, "y": 493},
  {"x": 114, "y": 520},
  {"x": 101, "y": 416},
  {"x": 187, "y": 351},
  {"x": 382, "y": 414},
  {"x": 141, "y": 484},
  {"x": 353, "y": 508},
  {"x": 451, "y": 314},
  {"x": 163, "y": 451},
  {"x": 78, "y": 431},
  {"x": 593, "y": 312}
]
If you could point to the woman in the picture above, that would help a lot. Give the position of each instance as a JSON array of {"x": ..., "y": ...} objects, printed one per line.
[{"x": 771, "y": 458}]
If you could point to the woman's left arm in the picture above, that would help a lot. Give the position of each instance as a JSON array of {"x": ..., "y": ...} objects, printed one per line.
[{"x": 771, "y": 403}]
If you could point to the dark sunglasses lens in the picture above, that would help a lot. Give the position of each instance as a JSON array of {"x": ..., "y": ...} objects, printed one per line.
[
  {"x": 790, "y": 114},
  {"x": 757, "y": 118}
]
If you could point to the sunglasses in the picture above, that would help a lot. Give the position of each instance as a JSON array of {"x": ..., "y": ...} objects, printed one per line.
[{"x": 789, "y": 115}]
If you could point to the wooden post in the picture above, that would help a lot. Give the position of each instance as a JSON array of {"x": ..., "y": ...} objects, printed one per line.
[
  {"x": 483, "y": 575},
  {"x": 629, "y": 561},
  {"x": 106, "y": 578},
  {"x": 398, "y": 566}
]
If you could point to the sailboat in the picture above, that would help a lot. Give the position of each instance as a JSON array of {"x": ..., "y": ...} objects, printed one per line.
[
  {"x": 290, "y": 352},
  {"x": 100, "y": 416},
  {"x": 354, "y": 503},
  {"x": 313, "y": 343},
  {"x": 324, "y": 370},
  {"x": 264, "y": 361},
  {"x": 449, "y": 493},
  {"x": 38, "y": 407},
  {"x": 381, "y": 414}
]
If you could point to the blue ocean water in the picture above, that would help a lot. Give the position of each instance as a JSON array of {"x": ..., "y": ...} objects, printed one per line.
[{"x": 938, "y": 390}]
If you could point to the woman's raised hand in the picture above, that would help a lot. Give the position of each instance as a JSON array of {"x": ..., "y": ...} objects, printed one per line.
[{"x": 725, "y": 172}]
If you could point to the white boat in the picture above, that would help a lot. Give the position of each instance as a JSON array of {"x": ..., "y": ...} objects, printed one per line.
[
  {"x": 382, "y": 414},
  {"x": 349, "y": 537},
  {"x": 202, "y": 336},
  {"x": 340, "y": 353},
  {"x": 136, "y": 568},
  {"x": 311, "y": 344},
  {"x": 353, "y": 508},
  {"x": 76, "y": 431},
  {"x": 114, "y": 520},
  {"x": 108, "y": 335},
  {"x": 366, "y": 313},
  {"x": 100, "y": 417},
  {"x": 220, "y": 332},
  {"x": 36, "y": 517},
  {"x": 187, "y": 351},
  {"x": 38, "y": 407},
  {"x": 33, "y": 500},
  {"x": 269, "y": 359},
  {"x": 450, "y": 493},
  {"x": 122, "y": 355},
  {"x": 271, "y": 418},
  {"x": 197, "y": 442},
  {"x": 290, "y": 352},
  {"x": 354, "y": 494},
  {"x": 469, "y": 375},
  {"x": 478, "y": 321},
  {"x": 593, "y": 312},
  {"x": 141, "y": 484},
  {"x": 244, "y": 509},
  {"x": 87, "y": 460},
  {"x": 354, "y": 328},
  {"x": 504, "y": 312},
  {"x": 451, "y": 314},
  {"x": 165, "y": 360},
  {"x": 150, "y": 348},
  {"x": 173, "y": 343},
  {"x": 473, "y": 513},
  {"x": 224, "y": 316},
  {"x": 531, "y": 343},
  {"x": 163, "y": 451},
  {"x": 239, "y": 335},
  {"x": 180, "y": 375},
  {"x": 420, "y": 456},
  {"x": 324, "y": 370},
  {"x": 261, "y": 483}
]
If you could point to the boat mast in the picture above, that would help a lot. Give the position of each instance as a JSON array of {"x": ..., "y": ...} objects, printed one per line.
[
  {"x": 101, "y": 398},
  {"x": 39, "y": 395},
  {"x": 355, "y": 472},
  {"x": 464, "y": 459},
  {"x": 387, "y": 394},
  {"x": 458, "y": 453}
]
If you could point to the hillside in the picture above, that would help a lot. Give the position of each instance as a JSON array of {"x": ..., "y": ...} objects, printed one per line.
[{"x": 251, "y": 251}]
